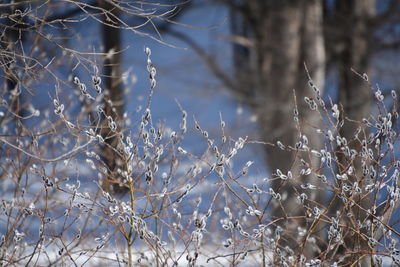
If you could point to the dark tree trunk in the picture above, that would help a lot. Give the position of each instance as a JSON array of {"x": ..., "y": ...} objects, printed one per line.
[
  {"x": 355, "y": 96},
  {"x": 287, "y": 34},
  {"x": 241, "y": 57},
  {"x": 114, "y": 104},
  {"x": 12, "y": 39}
]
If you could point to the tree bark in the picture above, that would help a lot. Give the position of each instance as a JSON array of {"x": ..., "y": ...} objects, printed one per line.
[
  {"x": 114, "y": 104},
  {"x": 287, "y": 34},
  {"x": 355, "y": 97},
  {"x": 241, "y": 56},
  {"x": 12, "y": 38}
]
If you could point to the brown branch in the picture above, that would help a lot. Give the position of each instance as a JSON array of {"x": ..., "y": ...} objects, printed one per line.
[
  {"x": 388, "y": 45},
  {"x": 213, "y": 65}
]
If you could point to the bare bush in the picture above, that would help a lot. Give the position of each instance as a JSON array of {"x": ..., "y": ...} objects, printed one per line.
[{"x": 177, "y": 207}]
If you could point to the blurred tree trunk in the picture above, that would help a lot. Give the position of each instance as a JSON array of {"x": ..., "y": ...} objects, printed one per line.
[
  {"x": 354, "y": 40},
  {"x": 11, "y": 39},
  {"x": 294, "y": 37},
  {"x": 114, "y": 104},
  {"x": 354, "y": 92},
  {"x": 287, "y": 34},
  {"x": 241, "y": 54}
]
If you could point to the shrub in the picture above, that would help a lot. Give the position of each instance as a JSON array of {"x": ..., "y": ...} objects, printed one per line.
[{"x": 179, "y": 207}]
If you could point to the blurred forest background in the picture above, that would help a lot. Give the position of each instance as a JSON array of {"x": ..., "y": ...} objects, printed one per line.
[{"x": 246, "y": 61}]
